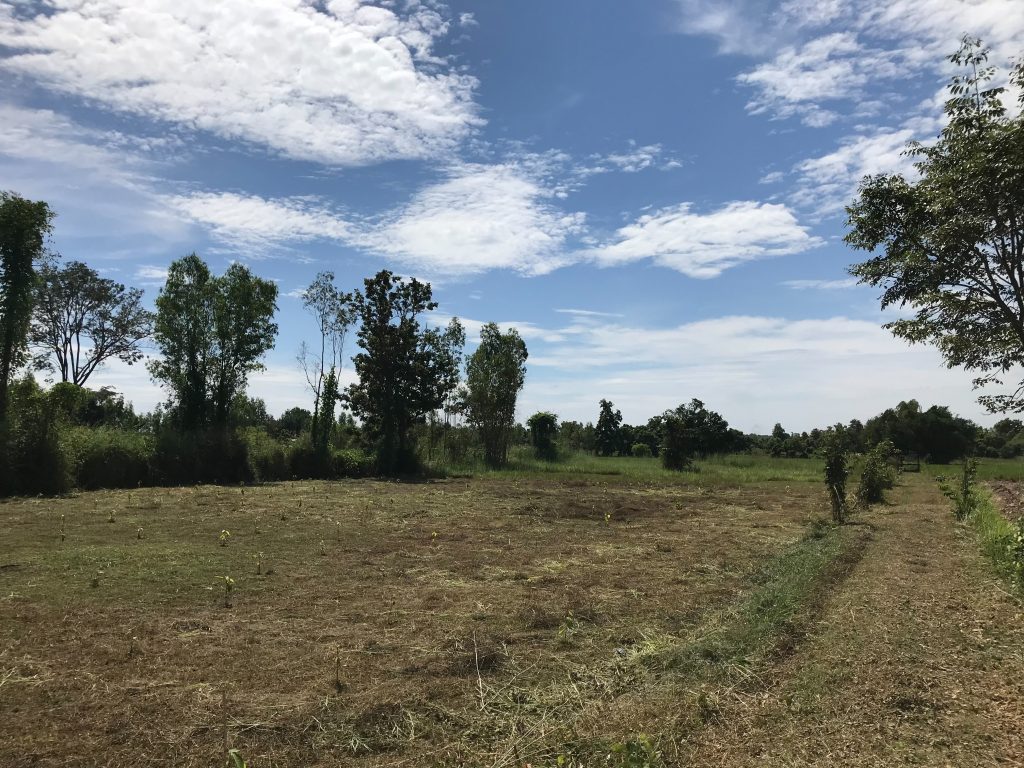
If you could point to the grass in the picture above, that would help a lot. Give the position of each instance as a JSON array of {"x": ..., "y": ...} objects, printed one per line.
[
  {"x": 988, "y": 469},
  {"x": 484, "y": 621},
  {"x": 733, "y": 469},
  {"x": 994, "y": 532}
]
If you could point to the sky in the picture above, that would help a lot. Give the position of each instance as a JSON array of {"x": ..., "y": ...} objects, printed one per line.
[{"x": 651, "y": 193}]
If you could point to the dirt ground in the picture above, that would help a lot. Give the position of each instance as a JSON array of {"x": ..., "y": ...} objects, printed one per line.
[
  {"x": 390, "y": 624},
  {"x": 917, "y": 659},
  {"x": 487, "y": 623}
]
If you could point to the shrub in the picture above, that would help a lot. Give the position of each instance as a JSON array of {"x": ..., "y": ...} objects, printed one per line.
[
  {"x": 962, "y": 494},
  {"x": 109, "y": 458},
  {"x": 201, "y": 456},
  {"x": 836, "y": 472},
  {"x": 265, "y": 455},
  {"x": 543, "y": 432},
  {"x": 676, "y": 446},
  {"x": 352, "y": 463},
  {"x": 641, "y": 450},
  {"x": 878, "y": 474},
  {"x": 32, "y": 457},
  {"x": 306, "y": 462}
]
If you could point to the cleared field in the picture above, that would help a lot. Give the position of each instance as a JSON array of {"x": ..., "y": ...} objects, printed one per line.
[{"x": 466, "y": 622}]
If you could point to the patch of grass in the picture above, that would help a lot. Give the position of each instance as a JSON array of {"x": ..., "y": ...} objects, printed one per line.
[
  {"x": 994, "y": 532},
  {"x": 988, "y": 469}
]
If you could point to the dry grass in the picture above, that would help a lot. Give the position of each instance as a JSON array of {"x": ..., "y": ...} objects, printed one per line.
[{"x": 468, "y": 622}]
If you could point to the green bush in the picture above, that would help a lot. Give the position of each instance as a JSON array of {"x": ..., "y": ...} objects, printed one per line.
[
  {"x": 265, "y": 455},
  {"x": 203, "y": 456},
  {"x": 103, "y": 457},
  {"x": 641, "y": 451},
  {"x": 878, "y": 474},
  {"x": 836, "y": 472},
  {"x": 543, "y": 435},
  {"x": 305, "y": 462},
  {"x": 677, "y": 448},
  {"x": 32, "y": 457},
  {"x": 352, "y": 463}
]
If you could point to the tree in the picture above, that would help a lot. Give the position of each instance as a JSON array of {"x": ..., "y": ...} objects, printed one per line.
[
  {"x": 606, "y": 435},
  {"x": 334, "y": 313},
  {"x": 495, "y": 374},
  {"x": 212, "y": 332},
  {"x": 676, "y": 442},
  {"x": 81, "y": 320},
  {"x": 294, "y": 422},
  {"x": 543, "y": 434},
  {"x": 952, "y": 242},
  {"x": 24, "y": 227},
  {"x": 404, "y": 371}
]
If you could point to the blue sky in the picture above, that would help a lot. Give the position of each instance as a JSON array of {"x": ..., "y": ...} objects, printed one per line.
[{"x": 651, "y": 192}]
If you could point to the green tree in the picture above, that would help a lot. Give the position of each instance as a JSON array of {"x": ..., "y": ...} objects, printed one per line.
[
  {"x": 211, "y": 332},
  {"x": 334, "y": 313},
  {"x": 24, "y": 227},
  {"x": 606, "y": 433},
  {"x": 544, "y": 435},
  {"x": 81, "y": 320},
  {"x": 495, "y": 374},
  {"x": 294, "y": 422},
  {"x": 677, "y": 443},
  {"x": 950, "y": 245},
  {"x": 404, "y": 370}
]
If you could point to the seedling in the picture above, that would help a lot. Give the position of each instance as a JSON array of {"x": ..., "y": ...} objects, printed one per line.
[
  {"x": 229, "y": 586},
  {"x": 96, "y": 579},
  {"x": 608, "y": 518},
  {"x": 258, "y": 557},
  {"x": 433, "y": 537},
  {"x": 62, "y": 529},
  {"x": 224, "y": 537},
  {"x": 111, "y": 518},
  {"x": 323, "y": 547},
  {"x": 138, "y": 533},
  {"x": 133, "y": 646},
  {"x": 256, "y": 525}
]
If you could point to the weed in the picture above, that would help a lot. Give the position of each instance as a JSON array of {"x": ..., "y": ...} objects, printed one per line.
[{"x": 640, "y": 752}]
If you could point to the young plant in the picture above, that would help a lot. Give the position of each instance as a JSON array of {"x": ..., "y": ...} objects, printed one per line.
[
  {"x": 323, "y": 547},
  {"x": 963, "y": 493},
  {"x": 258, "y": 557},
  {"x": 877, "y": 476},
  {"x": 836, "y": 472},
  {"x": 567, "y": 629},
  {"x": 138, "y": 533},
  {"x": 1016, "y": 552},
  {"x": 229, "y": 588},
  {"x": 111, "y": 518},
  {"x": 224, "y": 537},
  {"x": 62, "y": 534}
]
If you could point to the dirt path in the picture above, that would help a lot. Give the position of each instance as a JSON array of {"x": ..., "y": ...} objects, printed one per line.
[{"x": 918, "y": 659}]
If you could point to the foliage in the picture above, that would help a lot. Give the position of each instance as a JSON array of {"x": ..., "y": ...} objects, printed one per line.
[
  {"x": 334, "y": 312},
  {"x": 641, "y": 450},
  {"x": 950, "y": 241},
  {"x": 265, "y": 456},
  {"x": 32, "y": 459},
  {"x": 103, "y": 407},
  {"x": 543, "y": 435},
  {"x": 24, "y": 227},
  {"x": 836, "y": 472},
  {"x": 963, "y": 492},
  {"x": 294, "y": 422},
  {"x": 606, "y": 433},
  {"x": 495, "y": 374},
  {"x": 212, "y": 455},
  {"x": 212, "y": 332},
  {"x": 677, "y": 448},
  {"x": 104, "y": 457},
  {"x": 935, "y": 433},
  {"x": 324, "y": 425},
  {"x": 404, "y": 371},
  {"x": 877, "y": 474},
  {"x": 81, "y": 320}
]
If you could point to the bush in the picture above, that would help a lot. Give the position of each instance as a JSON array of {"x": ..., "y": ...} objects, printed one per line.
[
  {"x": 203, "y": 456},
  {"x": 32, "y": 457},
  {"x": 543, "y": 433},
  {"x": 963, "y": 494},
  {"x": 878, "y": 474},
  {"x": 109, "y": 458},
  {"x": 676, "y": 446},
  {"x": 352, "y": 463},
  {"x": 305, "y": 462},
  {"x": 265, "y": 455},
  {"x": 836, "y": 472},
  {"x": 641, "y": 450}
]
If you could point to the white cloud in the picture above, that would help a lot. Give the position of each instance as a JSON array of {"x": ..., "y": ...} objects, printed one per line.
[
  {"x": 482, "y": 217},
  {"x": 147, "y": 274},
  {"x": 339, "y": 82},
  {"x": 703, "y": 245},
  {"x": 587, "y": 313},
  {"x": 827, "y": 183},
  {"x": 821, "y": 285},
  {"x": 247, "y": 221},
  {"x": 739, "y": 26},
  {"x": 636, "y": 158}
]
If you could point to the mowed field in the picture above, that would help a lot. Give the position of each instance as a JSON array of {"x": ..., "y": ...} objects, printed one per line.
[{"x": 569, "y": 619}]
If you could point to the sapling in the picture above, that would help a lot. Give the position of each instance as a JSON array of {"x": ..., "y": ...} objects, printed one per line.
[
  {"x": 223, "y": 538},
  {"x": 323, "y": 547},
  {"x": 138, "y": 533},
  {"x": 62, "y": 529},
  {"x": 111, "y": 518},
  {"x": 256, "y": 525},
  {"x": 229, "y": 586},
  {"x": 258, "y": 557},
  {"x": 96, "y": 578}
]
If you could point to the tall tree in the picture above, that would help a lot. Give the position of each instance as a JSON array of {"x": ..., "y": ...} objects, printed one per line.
[
  {"x": 334, "y": 313},
  {"x": 212, "y": 332},
  {"x": 495, "y": 375},
  {"x": 81, "y": 320},
  {"x": 951, "y": 243},
  {"x": 606, "y": 434},
  {"x": 24, "y": 227},
  {"x": 404, "y": 370}
]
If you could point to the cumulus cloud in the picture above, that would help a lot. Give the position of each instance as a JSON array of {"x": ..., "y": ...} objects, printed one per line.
[
  {"x": 703, "y": 245},
  {"x": 339, "y": 82}
]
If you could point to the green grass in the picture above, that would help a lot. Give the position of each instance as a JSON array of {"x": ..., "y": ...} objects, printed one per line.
[
  {"x": 994, "y": 532},
  {"x": 734, "y": 469},
  {"x": 988, "y": 469}
]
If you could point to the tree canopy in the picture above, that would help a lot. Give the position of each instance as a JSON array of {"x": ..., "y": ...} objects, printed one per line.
[
  {"x": 950, "y": 244},
  {"x": 495, "y": 374},
  {"x": 81, "y": 320}
]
